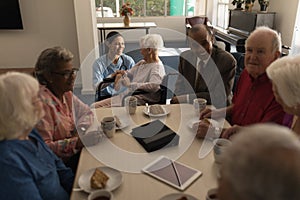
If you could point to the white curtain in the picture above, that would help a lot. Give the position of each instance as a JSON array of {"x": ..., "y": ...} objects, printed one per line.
[{"x": 296, "y": 36}]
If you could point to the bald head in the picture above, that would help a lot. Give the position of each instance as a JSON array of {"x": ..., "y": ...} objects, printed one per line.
[{"x": 200, "y": 39}]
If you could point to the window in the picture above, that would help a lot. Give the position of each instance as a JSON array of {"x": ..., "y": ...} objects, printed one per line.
[
  {"x": 223, "y": 13},
  {"x": 151, "y": 7}
]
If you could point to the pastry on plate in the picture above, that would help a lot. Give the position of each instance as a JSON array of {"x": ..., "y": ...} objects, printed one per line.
[
  {"x": 99, "y": 179},
  {"x": 156, "y": 110}
]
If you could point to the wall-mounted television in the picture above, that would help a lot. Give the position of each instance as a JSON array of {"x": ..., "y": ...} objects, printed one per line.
[{"x": 10, "y": 15}]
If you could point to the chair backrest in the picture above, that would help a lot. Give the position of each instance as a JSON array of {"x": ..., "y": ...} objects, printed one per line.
[
  {"x": 196, "y": 20},
  {"x": 239, "y": 57},
  {"x": 167, "y": 90},
  {"x": 99, "y": 96}
]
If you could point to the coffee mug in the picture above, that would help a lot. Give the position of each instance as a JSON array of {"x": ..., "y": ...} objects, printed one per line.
[
  {"x": 101, "y": 195},
  {"x": 220, "y": 146},
  {"x": 131, "y": 104},
  {"x": 212, "y": 194},
  {"x": 199, "y": 105},
  {"x": 108, "y": 125}
]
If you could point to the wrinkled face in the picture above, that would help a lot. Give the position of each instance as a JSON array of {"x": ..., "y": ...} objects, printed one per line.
[
  {"x": 117, "y": 46},
  {"x": 63, "y": 77},
  {"x": 259, "y": 54},
  {"x": 201, "y": 44}
]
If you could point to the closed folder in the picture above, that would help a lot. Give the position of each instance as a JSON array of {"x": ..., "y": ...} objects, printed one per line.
[{"x": 155, "y": 135}]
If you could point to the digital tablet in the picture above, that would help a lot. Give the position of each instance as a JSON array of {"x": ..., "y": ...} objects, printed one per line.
[{"x": 172, "y": 172}]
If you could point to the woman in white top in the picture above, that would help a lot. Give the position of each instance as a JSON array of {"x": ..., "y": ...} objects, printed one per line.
[{"x": 146, "y": 75}]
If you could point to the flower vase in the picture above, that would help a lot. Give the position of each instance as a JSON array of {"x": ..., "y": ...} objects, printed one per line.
[
  {"x": 126, "y": 20},
  {"x": 248, "y": 7}
]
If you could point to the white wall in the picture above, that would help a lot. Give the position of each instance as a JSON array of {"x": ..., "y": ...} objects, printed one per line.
[{"x": 46, "y": 23}]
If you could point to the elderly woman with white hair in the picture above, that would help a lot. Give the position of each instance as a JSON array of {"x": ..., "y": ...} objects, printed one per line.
[
  {"x": 29, "y": 169},
  {"x": 146, "y": 75},
  {"x": 284, "y": 74}
]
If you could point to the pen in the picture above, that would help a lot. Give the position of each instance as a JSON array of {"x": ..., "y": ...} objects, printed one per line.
[{"x": 176, "y": 172}]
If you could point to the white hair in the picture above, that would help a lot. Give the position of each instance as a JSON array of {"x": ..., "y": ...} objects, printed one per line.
[
  {"x": 285, "y": 74},
  {"x": 263, "y": 163},
  {"x": 276, "y": 38},
  {"x": 153, "y": 41},
  {"x": 17, "y": 110}
]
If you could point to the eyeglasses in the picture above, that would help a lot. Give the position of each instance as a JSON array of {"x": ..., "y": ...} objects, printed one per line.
[{"x": 67, "y": 74}]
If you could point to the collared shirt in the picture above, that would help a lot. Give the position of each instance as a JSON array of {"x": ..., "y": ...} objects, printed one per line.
[
  {"x": 200, "y": 64},
  {"x": 254, "y": 101},
  {"x": 61, "y": 118},
  {"x": 32, "y": 171}
]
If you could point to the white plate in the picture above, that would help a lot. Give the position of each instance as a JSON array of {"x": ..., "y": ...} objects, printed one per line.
[
  {"x": 175, "y": 196},
  {"x": 166, "y": 112},
  {"x": 114, "y": 181},
  {"x": 193, "y": 121}
]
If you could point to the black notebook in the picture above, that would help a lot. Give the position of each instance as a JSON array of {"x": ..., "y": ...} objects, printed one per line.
[{"x": 155, "y": 135}]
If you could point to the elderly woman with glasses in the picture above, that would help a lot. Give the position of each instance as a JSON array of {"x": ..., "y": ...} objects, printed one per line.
[
  {"x": 65, "y": 115},
  {"x": 29, "y": 169}
]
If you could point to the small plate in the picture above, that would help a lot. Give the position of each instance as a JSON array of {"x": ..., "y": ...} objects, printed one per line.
[
  {"x": 114, "y": 181},
  {"x": 175, "y": 196},
  {"x": 166, "y": 112},
  {"x": 193, "y": 121},
  {"x": 124, "y": 123}
]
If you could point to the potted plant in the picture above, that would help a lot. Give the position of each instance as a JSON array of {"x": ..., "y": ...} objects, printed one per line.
[
  {"x": 263, "y": 4},
  {"x": 238, "y": 4},
  {"x": 249, "y": 4}
]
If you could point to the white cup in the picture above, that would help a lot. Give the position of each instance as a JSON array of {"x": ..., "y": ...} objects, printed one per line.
[
  {"x": 199, "y": 105},
  {"x": 212, "y": 194},
  {"x": 220, "y": 146},
  {"x": 108, "y": 125},
  {"x": 101, "y": 195},
  {"x": 131, "y": 104}
]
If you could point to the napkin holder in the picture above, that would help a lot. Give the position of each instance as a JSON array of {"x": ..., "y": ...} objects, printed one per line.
[{"x": 155, "y": 135}]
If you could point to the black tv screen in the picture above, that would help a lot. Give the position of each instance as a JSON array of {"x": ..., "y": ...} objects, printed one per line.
[{"x": 10, "y": 15}]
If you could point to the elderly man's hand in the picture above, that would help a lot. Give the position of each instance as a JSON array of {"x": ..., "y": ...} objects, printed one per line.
[
  {"x": 206, "y": 113},
  {"x": 179, "y": 99},
  {"x": 230, "y": 131}
]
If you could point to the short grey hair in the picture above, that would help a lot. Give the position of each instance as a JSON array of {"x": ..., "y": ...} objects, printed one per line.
[
  {"x": 49, "y": 60},
  {"x": 285, "y": 73},
  {"x": 153, "y": 41},
  {"x": 263, "y": 163},
  {"x": 18, "y": 112},
  {"x": 276, "y": 38}
]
